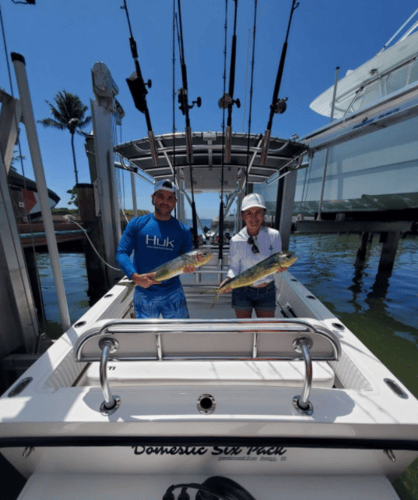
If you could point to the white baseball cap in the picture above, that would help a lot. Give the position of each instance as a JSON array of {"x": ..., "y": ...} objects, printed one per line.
[
  {"x": 166, "y": 185},
  {"x": 253, "y": 200}
]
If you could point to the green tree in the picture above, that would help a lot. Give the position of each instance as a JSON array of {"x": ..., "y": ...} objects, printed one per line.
[
  {"x": 74, "y": 197},
  {"x": 68, "y": 114}
]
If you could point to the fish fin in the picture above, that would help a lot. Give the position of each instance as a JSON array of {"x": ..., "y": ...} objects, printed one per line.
[
  {"x": 126, "y": 295},
  {"x": 212, "y": 290},
  {"x": 215, "y": 300}
]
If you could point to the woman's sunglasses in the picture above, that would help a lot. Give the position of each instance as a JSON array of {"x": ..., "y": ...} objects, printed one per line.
[{"x": 254, "y": 247}]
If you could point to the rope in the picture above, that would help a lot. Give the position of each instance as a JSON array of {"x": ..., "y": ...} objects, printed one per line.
[
  {"x": 251, "y": 97},
  {"x": 71, "y": 218}
]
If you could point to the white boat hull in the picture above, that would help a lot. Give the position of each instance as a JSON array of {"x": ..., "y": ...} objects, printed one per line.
[{"x": 55, "y": 424}]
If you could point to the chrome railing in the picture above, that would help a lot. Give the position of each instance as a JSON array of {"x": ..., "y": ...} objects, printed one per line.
[{"x": 208, "y": 340}]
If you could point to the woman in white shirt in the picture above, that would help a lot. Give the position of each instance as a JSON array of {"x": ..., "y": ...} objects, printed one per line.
[{"x": 250, "y": 246}]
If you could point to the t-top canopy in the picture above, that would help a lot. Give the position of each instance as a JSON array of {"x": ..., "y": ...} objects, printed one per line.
[{"x": 207, "y": 159}]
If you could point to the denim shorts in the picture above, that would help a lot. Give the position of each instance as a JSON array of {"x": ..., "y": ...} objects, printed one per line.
[
  {"x": 171, "y": 305},
  {"x": 247, "y": 297}
]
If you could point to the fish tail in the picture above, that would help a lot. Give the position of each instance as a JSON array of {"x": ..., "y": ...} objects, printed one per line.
[
  {"x": 128, "y": 291},
  {"x": 212, "y": 290},
  {"x": 215, "y": 300}
]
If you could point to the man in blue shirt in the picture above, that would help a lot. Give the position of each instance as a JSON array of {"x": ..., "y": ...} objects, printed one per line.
[{"x": 155, "y": 239}]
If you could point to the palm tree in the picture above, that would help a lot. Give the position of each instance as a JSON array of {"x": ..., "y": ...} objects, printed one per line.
[{"x": 69, "y": 114}]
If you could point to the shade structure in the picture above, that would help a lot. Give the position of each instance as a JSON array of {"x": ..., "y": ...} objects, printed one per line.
[{"x": 208, "y": 151}]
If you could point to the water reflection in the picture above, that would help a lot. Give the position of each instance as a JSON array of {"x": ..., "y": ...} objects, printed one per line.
[{"x": 380, "y": 308}]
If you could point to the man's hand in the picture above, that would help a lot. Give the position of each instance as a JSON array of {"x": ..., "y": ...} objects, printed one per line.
[
  {"x": 144, "y": 280},
  {"x": 192, "y": 269}
]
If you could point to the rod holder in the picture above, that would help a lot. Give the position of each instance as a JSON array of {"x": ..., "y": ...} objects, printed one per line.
[
  {"x": 110, "y": 403},
  {"x": 227, "y": 156},
  {"x": 302, "y": 403},
  {"x": 153, "y": 147},
  {"x": 265, "y": 147}
]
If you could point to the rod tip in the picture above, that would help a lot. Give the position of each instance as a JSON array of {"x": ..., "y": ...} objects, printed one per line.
[{"x": 17, "y": 57}]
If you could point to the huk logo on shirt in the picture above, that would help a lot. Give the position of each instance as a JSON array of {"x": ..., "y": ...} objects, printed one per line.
[{"x": 155, "y": 242}]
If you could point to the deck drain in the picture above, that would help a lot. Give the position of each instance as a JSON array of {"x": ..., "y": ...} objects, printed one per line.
[{"x": 206, "y": 404}]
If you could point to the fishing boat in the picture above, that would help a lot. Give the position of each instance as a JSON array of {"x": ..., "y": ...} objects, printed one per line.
[
  {"x": 26, "y": 198},
  {"x": 229, "y": 224},
  {"x": 280, "y": 407},
  {"x": 223, "y": 406},
  {"x": 363, "y": 162},
  {"x": 297, "y": 402}
]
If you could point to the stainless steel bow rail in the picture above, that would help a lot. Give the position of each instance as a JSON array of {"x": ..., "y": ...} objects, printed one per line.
[{"x": 208, "y": 340}]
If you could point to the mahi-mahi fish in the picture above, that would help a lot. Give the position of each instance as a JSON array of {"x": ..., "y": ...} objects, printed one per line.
[
  {"x": 273, "y": 264},
  {"x": 173, "y": 267}
]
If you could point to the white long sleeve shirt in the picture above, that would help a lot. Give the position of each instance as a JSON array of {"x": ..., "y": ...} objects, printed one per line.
[{"x": 268, "y": 242}]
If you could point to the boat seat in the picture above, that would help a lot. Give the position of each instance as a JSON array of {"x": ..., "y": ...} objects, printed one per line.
[{"x": 274, "y": 373}]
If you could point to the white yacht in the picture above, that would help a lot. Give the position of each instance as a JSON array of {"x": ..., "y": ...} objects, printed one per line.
[{"x": 365, "y": 159}]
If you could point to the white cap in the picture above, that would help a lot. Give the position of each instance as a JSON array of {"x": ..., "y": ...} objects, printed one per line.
[
  {"x": 166, "y": 185},
  {"x": 253, "y": 200}
]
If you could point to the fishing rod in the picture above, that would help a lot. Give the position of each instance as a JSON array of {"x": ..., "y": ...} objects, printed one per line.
[
  {"x": 247, "y": 170},
  {"x": 227, "y": 100},
  {"x": 277, "y": 105},
  {"x": 221, "y": 203},
  {"x": 138, "y": 88},
  {"x": 184, "y": 108}
]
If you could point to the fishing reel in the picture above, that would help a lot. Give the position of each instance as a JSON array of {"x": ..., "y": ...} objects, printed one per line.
[
  {"x": 226, "y": 100},
  {"x": 214, "y": 488},
  {"x": 182, "y": 99},
  {"x": 280, "y": 106}
]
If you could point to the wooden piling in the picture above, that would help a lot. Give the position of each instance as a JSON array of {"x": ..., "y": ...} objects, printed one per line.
[
  {"x": 361, "y": 252},
  {"x": 390, "y": 240},
  {"x": 96, "y": 272}
]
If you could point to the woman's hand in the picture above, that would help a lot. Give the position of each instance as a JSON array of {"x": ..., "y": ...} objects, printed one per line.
[
  {"x": 144, "y": 280},
  {"x": 281, "y": 269},
  {"x": 226, "y": 289}
]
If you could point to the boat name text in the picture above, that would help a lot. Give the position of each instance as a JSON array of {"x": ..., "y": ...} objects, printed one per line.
[{"x": 215, "y": 450}]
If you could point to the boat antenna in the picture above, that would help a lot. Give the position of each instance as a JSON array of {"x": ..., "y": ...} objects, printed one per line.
[
  {"x": 277, "y": 105},
  {"x": 138, "y": 89},
  {"x": 227, "y": 100},
  {"x": 251, "y": 98},
  {"x": 221, "y": 203},
  {"x": 184, "y": 108},
  {"x": 174, "y": 93}
]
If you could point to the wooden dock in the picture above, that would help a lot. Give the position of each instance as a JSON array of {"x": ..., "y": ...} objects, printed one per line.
[{"x": 34, "y": 234}]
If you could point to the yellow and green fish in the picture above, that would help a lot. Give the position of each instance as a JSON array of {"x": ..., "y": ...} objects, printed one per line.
[
  {"x": 257, "y": 272},
  {"x": 173, "y": 267}
]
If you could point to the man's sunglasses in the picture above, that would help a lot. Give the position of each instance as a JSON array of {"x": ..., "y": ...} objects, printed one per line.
[{"x": 254, "y": 247}]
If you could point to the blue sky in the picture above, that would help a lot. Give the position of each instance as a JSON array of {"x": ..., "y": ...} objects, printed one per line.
[{"x": 62, "y": 40}]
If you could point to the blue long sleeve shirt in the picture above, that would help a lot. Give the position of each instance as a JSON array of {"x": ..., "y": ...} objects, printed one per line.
[{"x": 153, "y": 242}]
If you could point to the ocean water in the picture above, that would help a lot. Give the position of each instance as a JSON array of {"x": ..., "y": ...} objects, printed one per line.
[{"x": 380, "y": 310}]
